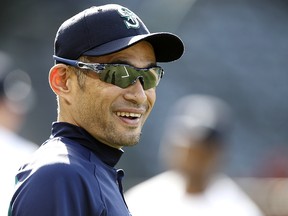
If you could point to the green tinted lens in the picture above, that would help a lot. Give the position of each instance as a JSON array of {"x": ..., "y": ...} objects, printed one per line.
[{"x": 124, "y": 76}]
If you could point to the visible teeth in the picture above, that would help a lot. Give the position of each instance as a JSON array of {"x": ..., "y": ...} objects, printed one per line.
[{"x": 126, "y": 114}]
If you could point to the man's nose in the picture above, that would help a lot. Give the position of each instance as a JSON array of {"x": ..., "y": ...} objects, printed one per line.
[{"x": 136, "y": 92}]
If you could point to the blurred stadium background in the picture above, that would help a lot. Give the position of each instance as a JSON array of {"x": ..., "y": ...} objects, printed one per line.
[{"x": 235, "y": 49}]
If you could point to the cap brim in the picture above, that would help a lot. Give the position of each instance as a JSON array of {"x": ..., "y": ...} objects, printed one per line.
[{"x": 167, "y": 47}]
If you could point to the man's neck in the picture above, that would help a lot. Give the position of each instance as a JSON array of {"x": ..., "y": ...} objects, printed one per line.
[{"x": 196, "y": 185}]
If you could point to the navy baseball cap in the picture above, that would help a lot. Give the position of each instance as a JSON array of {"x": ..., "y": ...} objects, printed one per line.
[
  {"x": 102, "y": 30},
  {"x": 198, "y": 117},
  {"x": 15, "y": 85}
]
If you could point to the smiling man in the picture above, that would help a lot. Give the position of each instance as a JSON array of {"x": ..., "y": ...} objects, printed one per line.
[{"x": 105, "y": 76}]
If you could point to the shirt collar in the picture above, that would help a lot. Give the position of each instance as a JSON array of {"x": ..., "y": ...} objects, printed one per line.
[{"x": 107, "y": 154}]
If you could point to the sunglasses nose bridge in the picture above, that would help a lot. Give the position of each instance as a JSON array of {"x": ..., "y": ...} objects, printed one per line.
[{"x": 141, "y": 79}]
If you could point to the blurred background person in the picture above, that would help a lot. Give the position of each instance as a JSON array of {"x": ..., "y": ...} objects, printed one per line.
[
  {"x": 192, "y": 146},
  {"x": 16, "y": 99}
]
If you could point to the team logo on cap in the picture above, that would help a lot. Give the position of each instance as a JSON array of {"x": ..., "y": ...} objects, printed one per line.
[{"x": 130, "y": 19}]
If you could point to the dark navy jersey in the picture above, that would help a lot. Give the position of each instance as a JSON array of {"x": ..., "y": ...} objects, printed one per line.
[{"x": 70, "y": 174}]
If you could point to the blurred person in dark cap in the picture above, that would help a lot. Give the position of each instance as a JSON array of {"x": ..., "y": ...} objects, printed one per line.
[
  {"x": 105, "y": 77},
  {"x": 192, "y": 148},
  {"x": 16, "y": 99}
]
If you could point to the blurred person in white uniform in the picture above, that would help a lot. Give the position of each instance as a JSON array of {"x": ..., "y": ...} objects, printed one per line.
[
  {"x": 192, "y": 148},
  {"x": 16, "y": 99}
]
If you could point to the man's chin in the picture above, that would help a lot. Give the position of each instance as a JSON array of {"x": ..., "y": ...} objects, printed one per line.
[{"x": 129, "y": 139}]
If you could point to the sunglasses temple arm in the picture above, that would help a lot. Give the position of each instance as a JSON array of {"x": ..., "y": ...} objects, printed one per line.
[{"x": 66, "y": 61}]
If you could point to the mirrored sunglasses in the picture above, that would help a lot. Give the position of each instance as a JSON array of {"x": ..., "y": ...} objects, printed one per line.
[{"x": 121, "y": 75}]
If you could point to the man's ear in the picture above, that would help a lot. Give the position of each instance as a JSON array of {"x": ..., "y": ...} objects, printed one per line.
[{"x": 59, "y": 79}]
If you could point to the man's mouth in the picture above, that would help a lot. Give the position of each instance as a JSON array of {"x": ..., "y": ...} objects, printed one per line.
[{"x": 129, "y": 115}]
